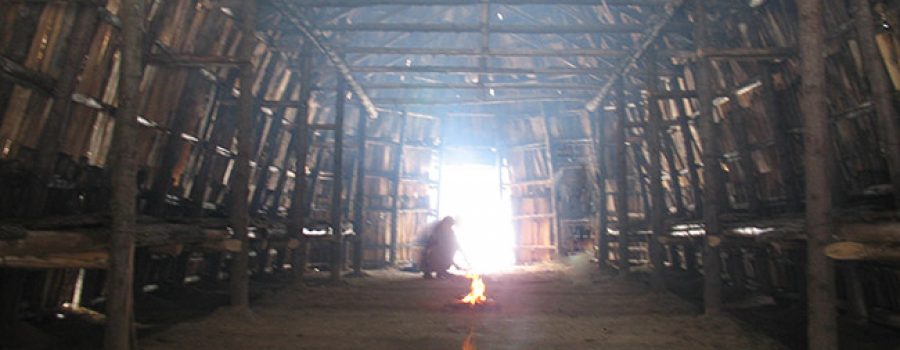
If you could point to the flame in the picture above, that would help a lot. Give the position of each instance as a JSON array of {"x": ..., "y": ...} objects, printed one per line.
[{"x": 476, "y": 292}]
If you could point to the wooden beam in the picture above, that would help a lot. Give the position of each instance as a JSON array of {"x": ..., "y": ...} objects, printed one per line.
[
  {"x": 476, "y": 70},
  {"x": 86, "y": 23},
  {"x": 362, "y": 3},
  {"x": 300, "y": 137},
  {"x": 296, "y": 17},
  {"x": 882, "y": 93},
  {"x": 659, "y": 209},
  {"x": 19, "y": 74},
  {"x": 857, "y": 251},
  {"x": 712, "y": 173},
  {"x": 395, "y": 193},
  {"x": 477, "y": 28},
  {"x": 652, "y": 33},
  {"x": 239, "y": 181},
  {"x": 820, "y": 287},
  {"x": 498, "y": 86},
  {"x": 359, "y": 206},
  {"x": 193, "y": 61},
  {"x": 620, "y": 164},
  {"x": 120, "y": 281},
  {"x": 337, "y": 183}
]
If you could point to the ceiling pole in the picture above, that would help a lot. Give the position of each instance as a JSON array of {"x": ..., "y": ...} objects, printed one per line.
[
  {"x": 296, "y": 17},
  {"x": 625, "y": 67}
]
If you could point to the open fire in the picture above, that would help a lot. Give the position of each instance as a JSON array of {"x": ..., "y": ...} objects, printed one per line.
[{"x": 476, "y": 291}]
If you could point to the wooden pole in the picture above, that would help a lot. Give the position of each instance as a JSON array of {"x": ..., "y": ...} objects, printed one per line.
[
  {"x": 659, "y": 209},
  {"x": 789, "y": 177},
  {"x": 882, "y": 96},
  {"x": 621, "y": 176},
  {"x": 240, "y": 175},
  {"x": 561, "y": 246},
  {"x": 821, "y": 310},
  {"x": 119, "y": 304},
  {"x": 602, "y": 173},
  {"x": 162, "y": 180},
  {"x": 740, "y": 131},
  {"x": 359, "y": 208},
  {"x": 337, "y": 186},
  {"x": 300, "y": 137},
  {"x": 674, "y": 175},
  {"x": 395, "y": 202},
  {"x": 712, "y": 171},
  {"x": 693, "y": 168},
  {"x": 52, "y": 134}
]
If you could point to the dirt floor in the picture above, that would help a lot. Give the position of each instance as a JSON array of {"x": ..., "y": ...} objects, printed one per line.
[{"x": 546, "y": 307}]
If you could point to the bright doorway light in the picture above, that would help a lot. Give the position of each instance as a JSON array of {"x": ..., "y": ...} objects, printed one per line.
[{"x": 471, "y": 194}]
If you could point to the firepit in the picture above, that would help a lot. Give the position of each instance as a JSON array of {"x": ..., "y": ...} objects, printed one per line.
[{"x": 476, "y": 299}]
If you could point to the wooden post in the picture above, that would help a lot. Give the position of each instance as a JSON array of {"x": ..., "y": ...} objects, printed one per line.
[
  {"x": 821, "y": 310},
  {"x": 240, "y": 175},
  {"x": 54, "y": 128},
  {"x": 751, "y": 177},
  {"x": 659, "y": 209},
  {"x": 856, "y": 296},
  {"x": 270, "y": 148},
  {"x": 337, "y": 186},
  {"x": 300, "y": 138},
  {"x": 119, "y": 303},
  {"x": 789, "y": 177},
  {"x": 162, "y": 180},
  {"x": 687, "y": 136},
  {"x": 602, "y": 173},
  {"x": 395, "y": 202},
  {"x": 882, "y": 94},
  {"x": 359, "y": 208},
  {"x": 712, "y": 171},
  {"x": 677, "y": 192},
  {"x": 621, "y": 176},
  {"x": 561, "y": 247}
]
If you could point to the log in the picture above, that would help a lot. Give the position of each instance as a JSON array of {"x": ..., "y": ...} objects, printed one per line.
[
  {"x": 87, "y": 260},
  {"x": 65, "y": 242},
  {"x": 855, "y": 251},
  {"x": 228, "y": 245},
  {"x": 888, "y": 232}
]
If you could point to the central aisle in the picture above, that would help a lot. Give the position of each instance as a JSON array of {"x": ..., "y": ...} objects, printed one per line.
[{"x": 550, "y": 307}]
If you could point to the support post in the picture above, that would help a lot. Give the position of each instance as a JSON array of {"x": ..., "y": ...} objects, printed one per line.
[
  {"x": 621, "y": 175},
  {"x": 240, "y": 175},
  {"x": 395, "y": 202},
  {"x": 786, "y": 168},
  {"x": 669, "y": 151},
  {"x": 300, "y": 138},
  {"x": 120, "y": 283},
  {"x": 561, "y": 247},
  {"x": 687, "y": 137},
  {"x": 658, "y": 207},
  {"x": 742, "y": 139},
  {"x": 712, "y": 171},
  {"x": 602, "y": 173},
  {"x": 882, "y": 96},
  {"x": 54, "y": 128},
  {"x": 359, "y": 207},
  {"x": 820, "y": 287},
  {"x": 337, "y": 186}
]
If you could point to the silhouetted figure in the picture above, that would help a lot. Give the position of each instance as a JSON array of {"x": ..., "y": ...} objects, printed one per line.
[{"x": 440, "y": 247}]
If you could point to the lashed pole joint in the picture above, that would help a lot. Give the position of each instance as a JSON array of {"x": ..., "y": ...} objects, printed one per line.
[
  {"x": 659, "y": 21},
  {"x": 296, "y": 17}
]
